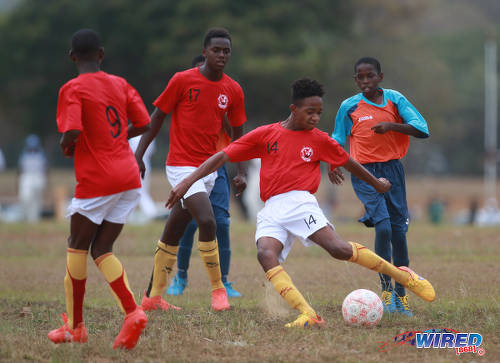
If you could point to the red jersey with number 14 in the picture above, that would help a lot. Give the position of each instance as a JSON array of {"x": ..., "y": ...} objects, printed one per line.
[
  {"x": 100, "y": 105},
  {"x": 198, "y": 105},
  {"x": 290, "y": 160}
]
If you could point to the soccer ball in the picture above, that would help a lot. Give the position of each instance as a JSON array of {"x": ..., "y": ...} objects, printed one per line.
[{"x": 362, "y": 308}]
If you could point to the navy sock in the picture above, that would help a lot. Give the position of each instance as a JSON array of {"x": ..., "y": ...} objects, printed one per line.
[
  {"x": 224, "y": 249},
  {"x": 383, "y": 235},
  {"x": 400, "y": 256},
  {"x": 185, "y": 248}
]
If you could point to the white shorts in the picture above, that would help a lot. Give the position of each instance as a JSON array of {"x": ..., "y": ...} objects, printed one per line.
[
  {"x": 175, "y": 174},
  {"x": 114, "y": 208},
  {"x": 289, "y": 215}
]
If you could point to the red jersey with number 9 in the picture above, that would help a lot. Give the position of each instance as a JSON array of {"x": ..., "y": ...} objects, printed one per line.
[
  {"x": 198, "y": 106},
  {"x": 100, "y": 105}
]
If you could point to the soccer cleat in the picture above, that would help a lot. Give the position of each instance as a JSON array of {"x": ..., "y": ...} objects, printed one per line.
[
  {"x": 418, "y": 285},
  {"x": 133, "y": 325},
  {"x": 305, "y": 321},
  {"x": 155, "y": 303},
  {"x": 66, "y": 335},
  {"x": 219, "y": 300},
  {"x": 389, "y": 302},
  {"x": 402, "y": 306},
  {"x": 231, "y": 292},
  {"x": 177, "y": 286}
]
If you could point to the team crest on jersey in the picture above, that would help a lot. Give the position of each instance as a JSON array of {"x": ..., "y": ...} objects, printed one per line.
[
  {"x": 222, "y": 101},
  {"x": 306, "y": 153}
]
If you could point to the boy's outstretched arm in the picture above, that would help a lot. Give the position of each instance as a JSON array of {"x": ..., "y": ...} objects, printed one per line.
[
  {"x": 240, "y": 180},
  {"x": 381, "y": 185},
  {"x": 157, "y": 118},
  {"x": 136, "y": 131},
  {"x": 336, "y": 175},
  {"x": 383, "y": 127},
  {"x": 209, "y": 166}
]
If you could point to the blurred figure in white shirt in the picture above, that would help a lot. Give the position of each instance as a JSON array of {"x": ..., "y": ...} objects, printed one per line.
[
  {"x": 32, "y": 178},
  {"x": 146, "y": 203}
]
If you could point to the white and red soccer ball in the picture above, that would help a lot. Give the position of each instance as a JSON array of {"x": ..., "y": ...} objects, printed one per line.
[{"x": 362, "y": 308}]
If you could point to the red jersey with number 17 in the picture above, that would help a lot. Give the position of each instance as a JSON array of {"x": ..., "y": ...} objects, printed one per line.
[
  {"x": 198, "y": 106},
  {"x": 100, "y": 105},
  {"x": 290, "y": 160}
]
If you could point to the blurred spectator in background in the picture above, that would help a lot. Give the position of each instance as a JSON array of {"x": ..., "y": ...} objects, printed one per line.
[
  {"x": 330, "y": 201},
  {"x": 32, "y": 178},
  {"x": 146, "y": 203},
  {"x": 251, "y": 196},
  {"x": 435, "y": 210},
  {"x": 3, "y": 165},
  {"x": 473, "y": 208},
  {"x": 489, "y": 215}
]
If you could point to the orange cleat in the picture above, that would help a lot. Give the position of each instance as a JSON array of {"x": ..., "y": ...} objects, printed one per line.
[
  {"x": 133, "y": 325},
  {"x": 219, "y": 300},
  {"x": 66, "y": 335},
  {"x": 155, "y": 303}
]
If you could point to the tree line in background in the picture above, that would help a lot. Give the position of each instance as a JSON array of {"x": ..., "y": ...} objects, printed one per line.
[{"x": 436, "y": 63}]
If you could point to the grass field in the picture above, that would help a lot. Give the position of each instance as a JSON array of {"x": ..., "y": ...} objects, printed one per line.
[{"x": 462, "y": 263}]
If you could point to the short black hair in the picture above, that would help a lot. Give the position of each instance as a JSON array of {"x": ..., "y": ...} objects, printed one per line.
[
  {"x": 305, "y": 87},
  {"x": 215, "y": 33},
  {"x": 198, "y": 59},
  {"x": 85, "y": 43},
  {"x": 368, "y": 60}
]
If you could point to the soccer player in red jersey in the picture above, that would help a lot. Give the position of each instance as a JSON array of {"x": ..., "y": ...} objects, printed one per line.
[
  {"x": 92, "y": 113},
  {"x": 379, "y": 123},
  {"x": 219, "y": 198},
  {"x": 290, "y": 153},
  {"x": 198, "y": 98}
]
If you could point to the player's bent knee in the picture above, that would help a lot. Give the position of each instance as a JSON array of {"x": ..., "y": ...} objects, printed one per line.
[
  {"x": 207, "y": 225},
  {"x": 267, "y": 258},
  {"x": 261, "y": 255},
  {"x": 79, "y": 243},
  {"x": 97, "y": 251}
]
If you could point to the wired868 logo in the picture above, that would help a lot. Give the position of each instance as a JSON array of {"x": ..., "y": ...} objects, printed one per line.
[
  {"x": 438, "y": 338},
  {"x": 461, "y": 342}
]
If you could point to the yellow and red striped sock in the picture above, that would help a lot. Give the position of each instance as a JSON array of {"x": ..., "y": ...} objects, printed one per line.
[
  {"x": 284, "y": 286},
  {"x": 115, "y": 275},
  {"x": 74, "y": 285},
  {"x": 367, "y": 258}
]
